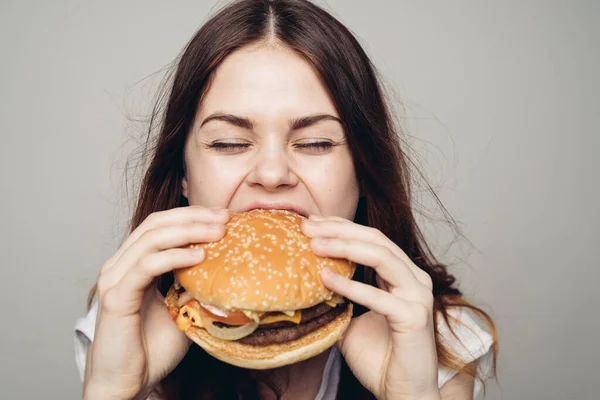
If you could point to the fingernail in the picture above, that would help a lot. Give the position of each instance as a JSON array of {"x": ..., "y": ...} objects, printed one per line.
[
  {"x": 319, "y": 241},
  {"x": 215, "y": 226},
  {"x": 197, "y": 252},
  {"x": 327, "y": 273},
  {"x": 309, "y": 222}
]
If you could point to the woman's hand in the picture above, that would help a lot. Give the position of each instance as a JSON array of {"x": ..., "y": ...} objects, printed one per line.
[
  {"x": 391, "y": 349},
  {"x": 136, "y": 343}
]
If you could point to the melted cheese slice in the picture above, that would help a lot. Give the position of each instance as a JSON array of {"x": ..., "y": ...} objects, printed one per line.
[
  {"x": 270, "y": 319},
  {"x": 334, "y": 301}
]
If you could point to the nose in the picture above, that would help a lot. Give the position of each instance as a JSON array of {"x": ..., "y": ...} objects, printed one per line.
[{"x": 272, "y": 170}]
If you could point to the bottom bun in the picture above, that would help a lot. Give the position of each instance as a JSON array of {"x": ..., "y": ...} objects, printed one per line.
[{"x": 275, "y": 355}]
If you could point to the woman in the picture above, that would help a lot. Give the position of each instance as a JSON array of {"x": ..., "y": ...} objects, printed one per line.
[{"x": 274, "y": 104}]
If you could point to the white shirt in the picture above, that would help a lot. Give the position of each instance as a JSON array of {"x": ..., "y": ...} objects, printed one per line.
[{"x": 476, "y": 344}]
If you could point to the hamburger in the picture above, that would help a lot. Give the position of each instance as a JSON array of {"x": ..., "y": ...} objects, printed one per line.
[{"x": 257, "y": 300}]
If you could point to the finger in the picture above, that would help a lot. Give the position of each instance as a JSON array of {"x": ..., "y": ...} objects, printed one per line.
[
  {"x": 171, "y": 217},
  {"x": 327, "y": 218},
  {"x": 402, "y": 313},
  {"x": 336, "y": 227},
  {"x": 159, "y": 239},
  {"x": 127, "y": 296},
  {"x": 382, "y": 260}
]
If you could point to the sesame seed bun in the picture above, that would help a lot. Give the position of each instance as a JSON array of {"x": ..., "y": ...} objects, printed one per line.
[{"x": 263, "y": 263}]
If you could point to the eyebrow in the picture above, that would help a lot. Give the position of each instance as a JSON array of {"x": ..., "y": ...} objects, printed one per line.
[{"x": 246, "y": 123}]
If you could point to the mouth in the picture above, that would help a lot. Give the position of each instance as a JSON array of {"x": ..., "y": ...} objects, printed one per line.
[{"x": 276, "y": 206}]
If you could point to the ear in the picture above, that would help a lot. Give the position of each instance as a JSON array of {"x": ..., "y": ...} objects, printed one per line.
[{"x": 184, "y": 187}]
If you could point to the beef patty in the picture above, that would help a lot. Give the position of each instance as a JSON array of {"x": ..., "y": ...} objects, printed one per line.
[{"x": 272, "y": 334}]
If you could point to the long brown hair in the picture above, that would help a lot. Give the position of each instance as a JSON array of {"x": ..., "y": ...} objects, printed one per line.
[{"x": 382, "y": 166}]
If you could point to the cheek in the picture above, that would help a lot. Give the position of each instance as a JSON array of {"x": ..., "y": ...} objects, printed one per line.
[
  {"x": 212, "y": 182},
  {"x": 334, "y": 187}
]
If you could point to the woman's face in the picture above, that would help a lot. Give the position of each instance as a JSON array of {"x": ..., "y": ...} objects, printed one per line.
[{"x": 267, "y": 135}]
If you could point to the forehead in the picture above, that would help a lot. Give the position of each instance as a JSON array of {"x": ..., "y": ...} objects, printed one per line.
[{"x": 265, "y": 80}]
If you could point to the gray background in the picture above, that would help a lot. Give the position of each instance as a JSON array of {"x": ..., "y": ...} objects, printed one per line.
[{"x": 501, "y": 100}]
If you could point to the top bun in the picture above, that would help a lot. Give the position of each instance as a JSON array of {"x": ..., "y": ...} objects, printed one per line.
[{"x": 263, "y": 263}]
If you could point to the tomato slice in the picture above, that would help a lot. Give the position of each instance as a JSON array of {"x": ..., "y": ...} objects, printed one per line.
[{"x": 232, "y": 318}]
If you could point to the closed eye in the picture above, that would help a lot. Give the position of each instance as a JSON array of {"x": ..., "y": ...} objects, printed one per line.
[
  {"x": 315, "y": 146},
  {"x": 228, "y": 146}
]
